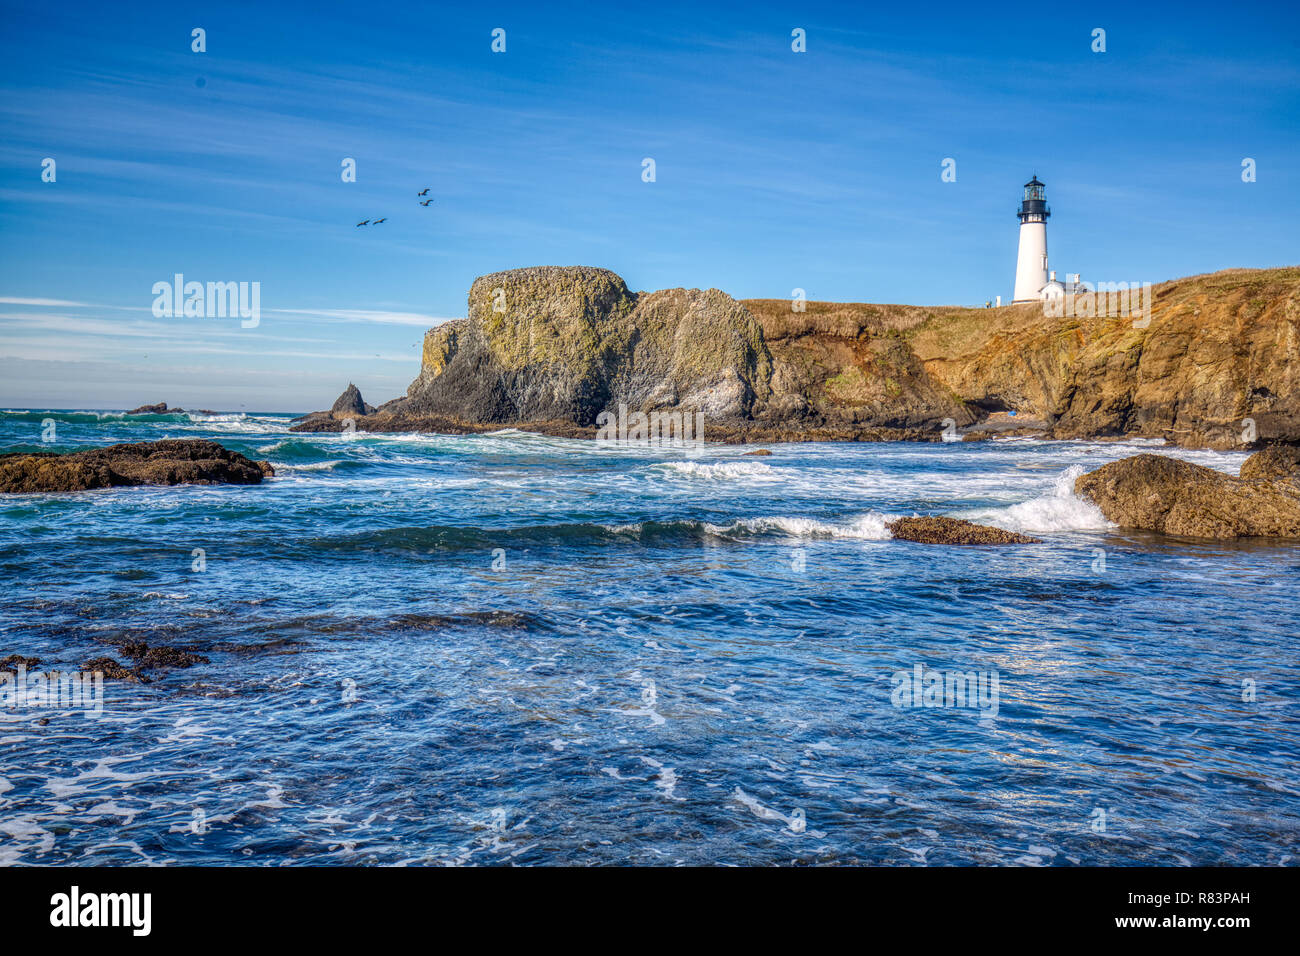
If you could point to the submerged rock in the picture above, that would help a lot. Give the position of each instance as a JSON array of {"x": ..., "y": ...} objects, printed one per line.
[
  {"x": 9, "y": 665},
  {"x": 1159, "y": 493},
  {"x": 941, "y": 530},
  {"x": 161, "y": 656},
  {"x": 172, "y": 461},
  {"x": 113, "y": 670}
]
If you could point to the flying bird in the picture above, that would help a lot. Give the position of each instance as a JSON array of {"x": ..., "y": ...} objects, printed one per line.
[
  {"x": 378, "y": 221},
  {"x": 424, "y": 191},
  {"x": 364, "y": 223},
  {"x": 426, "y": 202}
]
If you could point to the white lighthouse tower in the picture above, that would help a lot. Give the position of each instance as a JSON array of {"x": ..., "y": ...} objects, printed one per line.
[{"x": 1031, "y": 263}]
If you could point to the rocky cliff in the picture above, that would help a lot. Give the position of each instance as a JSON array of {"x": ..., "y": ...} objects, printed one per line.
[
  {"x": 565, "y": 344},
  {"x": 552, "y": 347}
]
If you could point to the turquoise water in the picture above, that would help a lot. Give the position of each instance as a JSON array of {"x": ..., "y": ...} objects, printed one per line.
[{"x": 517, "y": 649}]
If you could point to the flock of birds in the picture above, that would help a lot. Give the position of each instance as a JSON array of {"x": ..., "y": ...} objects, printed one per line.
[{"x": 375, "y": 222}]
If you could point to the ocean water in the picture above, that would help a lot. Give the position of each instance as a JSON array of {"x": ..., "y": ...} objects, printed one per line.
[{"x": 514, "y": 649}]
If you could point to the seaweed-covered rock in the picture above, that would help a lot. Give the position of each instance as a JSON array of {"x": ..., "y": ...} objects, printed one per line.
[
  {"x": 113, "y": 670},
  {"x": 171, "y": 461},
  {"x": 941, "y": 530},
  {"x": 10, "y": 664},
  {"x": 147, "y": 656}
]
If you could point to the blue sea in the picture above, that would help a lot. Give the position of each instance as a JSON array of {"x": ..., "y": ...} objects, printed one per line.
[{"x": 516, "y": 649}]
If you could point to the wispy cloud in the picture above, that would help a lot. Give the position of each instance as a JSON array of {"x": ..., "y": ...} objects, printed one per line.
[
  {"x": 54, "y": 303},
  {"x": 367, "y": 315}
]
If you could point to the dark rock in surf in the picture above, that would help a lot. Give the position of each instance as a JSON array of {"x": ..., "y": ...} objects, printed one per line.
[
  {"x": 940, "y": 530},
  {"x": 147, "y": 656},
  {"x": 113, "y": 670},
  {"x": 172, "y": 461},
  {"x": 1159, "y": 493},
  {"x": 10, "y": 664}
]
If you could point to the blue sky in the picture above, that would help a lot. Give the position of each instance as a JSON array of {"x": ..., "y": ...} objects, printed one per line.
[{"x": 775, "y": 170}]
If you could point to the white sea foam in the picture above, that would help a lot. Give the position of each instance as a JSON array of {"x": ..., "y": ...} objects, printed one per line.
[
  {"x": 236, "y": 422},
  {"x": 867, "y": 527},
  {"x": 312, "y": 466},
  {"x": 718, "y": 470},
  {"x": 1058, "y": 510}
]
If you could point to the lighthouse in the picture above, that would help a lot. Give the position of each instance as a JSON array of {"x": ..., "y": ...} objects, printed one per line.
[{"x": 1031, "y": 263}]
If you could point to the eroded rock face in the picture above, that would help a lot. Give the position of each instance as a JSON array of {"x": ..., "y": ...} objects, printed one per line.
[
  {"x": 171, "y": 461},
  {"x": 1159, "y": 493},
  {"x": 942, "y": 530},
  {"x": 1216, "y": 363},
  {"x": 350, "y": 402},
  {"x": 559, "y": 343}
]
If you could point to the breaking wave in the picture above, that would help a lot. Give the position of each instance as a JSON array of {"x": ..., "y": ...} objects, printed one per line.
[
  {"x": 1057, "y": 511},
  {"x": 718, "y": 470}
]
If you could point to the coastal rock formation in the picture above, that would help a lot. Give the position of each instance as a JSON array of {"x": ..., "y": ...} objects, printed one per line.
[
  {"x": 171, "y": 461},
  {"x": 1159, "y": 493},
  {"x": 159, "y": 409},
  {"x": 1215, "y": 362},
  {"x": 351, "y": 403},
  {"x": 565, "y": 344},
  {"x": 941, "y": 530}
]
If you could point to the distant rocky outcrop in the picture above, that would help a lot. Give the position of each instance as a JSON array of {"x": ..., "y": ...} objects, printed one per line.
[
  {"x": 168, "y": 462},
  {"x": 349, "y": 406},
  {"x": 1215, "y": 363},
  {"x": 942, "y": 530},
  {"x": 1159, "y": 493},
  {"x": 159, "y": 409},
  {"x": 351, "y": 403}
]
